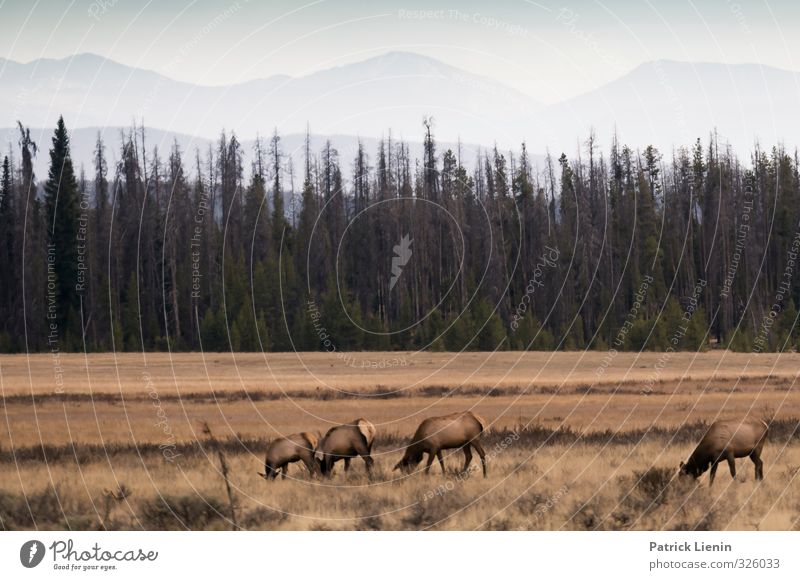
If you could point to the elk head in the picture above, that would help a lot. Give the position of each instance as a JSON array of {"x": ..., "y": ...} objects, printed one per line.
[
  {"x": 411, "y": 458},
  {"x": 692, "y": 468}
]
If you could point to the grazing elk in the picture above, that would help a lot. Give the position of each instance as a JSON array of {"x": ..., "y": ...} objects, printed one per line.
[
  {"x": 456, "y": 431},
  {"x": 353, "y": 439},
  {"x": 727, "y": 440},
  {"x": 285, "y": 450}
]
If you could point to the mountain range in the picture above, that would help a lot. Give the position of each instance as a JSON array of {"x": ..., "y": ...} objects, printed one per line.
[{"x": 664, "y": 103}]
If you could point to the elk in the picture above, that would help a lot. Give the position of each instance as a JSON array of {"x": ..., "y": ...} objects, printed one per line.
[
  {"x": 728, "y": 440},
  {"x": 455, "y": 431},
  {"x": 346, "y": 441},
  {"x": 285, "y": 450}
]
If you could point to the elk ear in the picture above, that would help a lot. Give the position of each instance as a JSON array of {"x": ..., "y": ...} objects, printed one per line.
[
  {"x": 261, "y": 474},
  {"x": 398, "y": 466},
  {"x": 682, "y": 465}
]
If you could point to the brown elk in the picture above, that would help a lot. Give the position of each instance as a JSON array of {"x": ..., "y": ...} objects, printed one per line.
[
  {"x": 285, "y": 450},
  {"x": 728, "y": 440},
  {"x": 353, "y": 439},
  {"x": 455, "y": 431}
]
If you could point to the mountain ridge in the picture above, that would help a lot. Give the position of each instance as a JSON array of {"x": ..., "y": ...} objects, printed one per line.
[
  {"x": 353, "y": 98},
  {"x": 663, "y": 102}
]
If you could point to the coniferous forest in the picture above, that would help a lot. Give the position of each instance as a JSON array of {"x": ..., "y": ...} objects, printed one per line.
[{"x": 601, "y": 247}]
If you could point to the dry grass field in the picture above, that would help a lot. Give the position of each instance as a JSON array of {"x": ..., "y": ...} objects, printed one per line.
[{"x": 577, "y": 440}]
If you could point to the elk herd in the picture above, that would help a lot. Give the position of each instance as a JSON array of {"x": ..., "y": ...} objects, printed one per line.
[{"x": 723, "y": 441}]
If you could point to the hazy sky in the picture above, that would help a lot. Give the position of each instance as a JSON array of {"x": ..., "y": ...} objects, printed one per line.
[{"x": 551, "y": 49}]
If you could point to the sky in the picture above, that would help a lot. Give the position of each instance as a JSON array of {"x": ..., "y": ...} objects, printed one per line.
[{"x": 549, "y": 49}]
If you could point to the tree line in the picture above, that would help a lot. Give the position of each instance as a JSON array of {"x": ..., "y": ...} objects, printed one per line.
[{"x": 610, "y": 248}]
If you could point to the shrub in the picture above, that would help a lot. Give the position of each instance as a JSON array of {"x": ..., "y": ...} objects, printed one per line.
[
  {"x": 40, "y": 509},
  {"x": 263, "y": 518},
  {"x": 435, "y": 510},
  {"x": 651, "y": 486},
  {"x": 46, "y": 507},
  {"x": 191, "y": 512},
  {"x": 12, "y": 517}
]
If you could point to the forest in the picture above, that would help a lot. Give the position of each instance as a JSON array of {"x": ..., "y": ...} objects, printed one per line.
[{"x": 607, "y": 248}]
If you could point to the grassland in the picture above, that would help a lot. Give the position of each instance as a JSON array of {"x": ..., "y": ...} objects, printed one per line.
[{"x": 577, "y": 440}]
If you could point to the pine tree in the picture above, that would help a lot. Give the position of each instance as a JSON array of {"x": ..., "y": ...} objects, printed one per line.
[
  {"x": 280, "y": 225},
  {"x": 7, "y": 220},
  {"x": 63, "y": 212}
]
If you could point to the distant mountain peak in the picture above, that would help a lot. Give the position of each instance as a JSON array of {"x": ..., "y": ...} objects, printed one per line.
[
  {"x": 394, "y": 90},
  {"x": 662, "y": 102},
  {"x": 396, "y": 62}
]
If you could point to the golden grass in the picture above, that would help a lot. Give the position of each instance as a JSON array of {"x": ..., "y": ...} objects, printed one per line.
[
  {"x": 108, "y": 400},
  {"x": 59, "y": 422},
  {"x": 194, "y": 372},
  {"x": 555, "y": 487}
]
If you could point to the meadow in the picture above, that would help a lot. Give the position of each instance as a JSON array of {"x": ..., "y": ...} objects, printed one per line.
[{"x": 576, "y": 440}]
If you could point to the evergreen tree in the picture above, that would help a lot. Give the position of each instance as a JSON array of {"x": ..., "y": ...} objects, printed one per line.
[
  {"x": 7, "y": 220},
  {"x": 62, "y": 204}
]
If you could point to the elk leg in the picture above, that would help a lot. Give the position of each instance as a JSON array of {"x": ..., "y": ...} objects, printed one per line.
[
  {"x": 441, "y": 460},
  {"x": 346, "y": 464},
  {"x": 713, "y": 473},
  {"x": 467, "y": 457},
  {"x": 364, "y": 451},
  {"x": 327, "y": 465},
  {"x": 479, "y": 448},
  {"x": 732, "y": 465},
  {"x": 310, "y": 464},
  {"x": 759, "y": 465},
  {"x": 284, "y": 471},
  {"x": 368, "y": 461},
  {"x": 431, "y": 455}
]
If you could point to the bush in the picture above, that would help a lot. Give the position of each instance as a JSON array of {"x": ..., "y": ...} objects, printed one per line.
[
  {"x": 11, "y": 516},
  {"x": 191, "y": 512},
  {"x": 46, "y": 507},
  {"x": 436, "y": 507},
  {"x": 650, "y": 488},
  {"x": 263, "y": 518},
  {"x": 40, "y": 509}
]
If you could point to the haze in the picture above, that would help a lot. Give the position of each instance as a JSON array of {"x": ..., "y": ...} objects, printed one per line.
[{"x": 546, "y": 49}]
